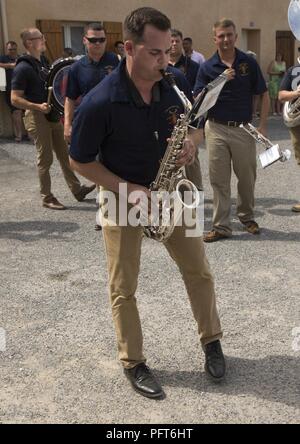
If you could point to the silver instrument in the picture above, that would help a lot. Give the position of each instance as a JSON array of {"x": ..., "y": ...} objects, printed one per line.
[
  {"x": 294, "y": 18},
  {"x": 272, "y": 152},
  {"x": 171, "y": 180},
  {"x": 291, "y": 110}
]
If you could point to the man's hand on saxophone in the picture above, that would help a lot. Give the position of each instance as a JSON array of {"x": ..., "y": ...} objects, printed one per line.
[{"x": 187, "y": 154}]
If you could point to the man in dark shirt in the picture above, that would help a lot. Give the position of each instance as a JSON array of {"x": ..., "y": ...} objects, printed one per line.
[
  {"x": 290, "y": 91},
  {"x": 126, "y": 118},
  {"x": 29, "y": 93},
  {"x": 8, "y": 62},
  {"x": 229, "y": 146},
  {"x": 189, "y": 68},
  {"x": 180, "y": 61},
  {"x": 88, "y": 71}
]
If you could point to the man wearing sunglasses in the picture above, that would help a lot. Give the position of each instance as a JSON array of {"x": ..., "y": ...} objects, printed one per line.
[
  {"x": 29, "y": 93},
  {"x": 88, "y": 71}
]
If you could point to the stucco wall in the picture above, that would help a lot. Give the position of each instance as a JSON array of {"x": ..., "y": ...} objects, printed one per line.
[{"x": 194, "y": 17}]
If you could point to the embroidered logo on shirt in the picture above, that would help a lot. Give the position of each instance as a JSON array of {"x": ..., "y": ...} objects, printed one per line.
[{"x": 244, "y": 69}]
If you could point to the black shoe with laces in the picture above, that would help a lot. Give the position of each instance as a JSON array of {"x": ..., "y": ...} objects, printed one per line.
[
  {"x": 215, "y": 365},
  {"x": 143, "y": 381}
]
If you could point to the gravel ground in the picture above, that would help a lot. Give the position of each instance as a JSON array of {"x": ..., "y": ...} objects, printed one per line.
[{"x": 60, "y": 365}]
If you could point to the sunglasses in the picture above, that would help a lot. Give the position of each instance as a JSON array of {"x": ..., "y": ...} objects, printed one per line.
[{"x": 96, "y": 39}]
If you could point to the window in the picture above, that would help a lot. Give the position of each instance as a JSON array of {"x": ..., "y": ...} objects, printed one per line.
[{"x": 73, "y": 33}]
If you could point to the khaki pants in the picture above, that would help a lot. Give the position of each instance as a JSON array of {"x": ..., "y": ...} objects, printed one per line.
[
  {"x": 123, "y": 250},
  {"x": 49, "y": 137},
  {"x": 295, "y": 136},
  {"x": 228, "y": 148}
]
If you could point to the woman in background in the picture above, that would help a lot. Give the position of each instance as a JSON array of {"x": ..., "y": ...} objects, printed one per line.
[{"x": 276, "y": 71}]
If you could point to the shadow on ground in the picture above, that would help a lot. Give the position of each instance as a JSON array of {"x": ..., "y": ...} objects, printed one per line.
[
  {"x": 29, "y": 231},
  {"x": 273, "y": 378}
]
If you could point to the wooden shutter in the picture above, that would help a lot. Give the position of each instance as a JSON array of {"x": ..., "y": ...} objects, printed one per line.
[
  {"x": 53, "y": 32},
  {"x": 114, "y": 32}
]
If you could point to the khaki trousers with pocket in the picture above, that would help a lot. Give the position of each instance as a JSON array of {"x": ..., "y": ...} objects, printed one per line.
[
  {"x": 49, "y": 137},
  {"x": 230, "y": 148},
  {"x": 123, "y": 251}
]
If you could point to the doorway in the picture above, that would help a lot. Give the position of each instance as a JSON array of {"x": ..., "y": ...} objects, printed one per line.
[{"x": 285, "y": 45}]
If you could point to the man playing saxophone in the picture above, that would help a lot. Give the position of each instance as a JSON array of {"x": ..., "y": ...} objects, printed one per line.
[
  {"x": 290, "y": 92},
  {"x": 128, "y": 120}
]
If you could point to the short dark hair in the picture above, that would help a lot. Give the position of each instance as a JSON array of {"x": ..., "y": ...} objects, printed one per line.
[
  {"x": 118, "y": 42},
  {"x": 176, "y": 33},
  {"x": 188, "y": 39},
  {"x": 224, "y": 23},
  {"x": 136, "y": 21},
  {"x": 94, "y": 27},
  {"x": 69, "y": 52},
  {"x": 11, "y": 42}
]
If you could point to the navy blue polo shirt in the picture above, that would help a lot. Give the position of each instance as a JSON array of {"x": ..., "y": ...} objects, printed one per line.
[
  {"x": 291, "y": 79},
  {"x": 189, "y": 69},
  {"x": 236, "y": 98},
  {"x": 129, "y": 135},
  {"x": 29, "y": 76},
  {"x": 85, "y": 74}
]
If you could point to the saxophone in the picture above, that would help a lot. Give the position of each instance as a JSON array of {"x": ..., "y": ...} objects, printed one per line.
[{"x": 171, "y": 179}]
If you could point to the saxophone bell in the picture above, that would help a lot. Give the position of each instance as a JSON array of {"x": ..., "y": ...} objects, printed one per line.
[{"x": 187, "y": 194}]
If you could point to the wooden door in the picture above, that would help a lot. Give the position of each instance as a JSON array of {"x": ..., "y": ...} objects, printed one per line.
[
  {"x": 114, "y": 32},
  {"x": 285, "y": 45},
  {"x": 53, "y": 32}
]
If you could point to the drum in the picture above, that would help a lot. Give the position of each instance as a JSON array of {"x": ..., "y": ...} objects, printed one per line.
[{"x": 57, "y": 79}]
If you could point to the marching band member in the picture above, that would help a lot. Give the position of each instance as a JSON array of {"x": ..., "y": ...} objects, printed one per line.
[
  {"x": 29, "y": 93},
  {"x": 189, "y": 68},
  {"x": 88, "y": 71},
  {"x": 126, "y": 119},
  {"x": 228, "y": 145},
  {"x": 290, "y": 90}
]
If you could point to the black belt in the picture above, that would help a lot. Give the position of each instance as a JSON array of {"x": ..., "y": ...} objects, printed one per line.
[{"x": 228, "y": 123}]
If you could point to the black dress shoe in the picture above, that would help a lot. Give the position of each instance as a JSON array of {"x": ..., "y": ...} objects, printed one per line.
[
  {"x": 143, "y": 381},
  {"x": 215, "y": 365},
  {"x": 84, "y": 190}
]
